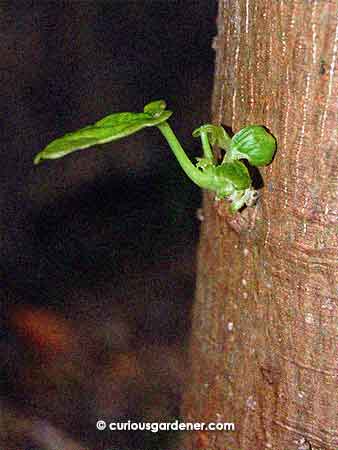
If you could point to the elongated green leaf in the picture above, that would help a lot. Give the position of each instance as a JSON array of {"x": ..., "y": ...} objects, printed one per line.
[
  {"x": 236, "y": 173},
  {"x": 255, "y": 144},
  {"x": 124, "y": 118},
  {"x": 110, "y": 128}
]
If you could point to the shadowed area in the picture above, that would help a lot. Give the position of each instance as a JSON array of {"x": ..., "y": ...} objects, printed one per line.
[{"x": 97, "y": 249}]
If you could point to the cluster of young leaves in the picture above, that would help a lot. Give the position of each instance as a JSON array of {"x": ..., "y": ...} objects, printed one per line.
[
  {"x": 229, "y": 179},
  {"x": 252, "y": 143}
]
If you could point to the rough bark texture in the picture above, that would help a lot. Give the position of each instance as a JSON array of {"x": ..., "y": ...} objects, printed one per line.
[{"x": 264, "y": 346}]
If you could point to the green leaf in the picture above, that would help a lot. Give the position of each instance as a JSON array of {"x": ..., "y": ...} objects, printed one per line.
[
  {"x": 110, "y": 128},
  {"x": 241, "y": 198},
  {"x": 255, "y": 144},
  {"x": 216, "y": 134},
  {"x": 204, "y": 164},
  {"x": 236, "y": 173},
  {"x": 155, "y": 108}
]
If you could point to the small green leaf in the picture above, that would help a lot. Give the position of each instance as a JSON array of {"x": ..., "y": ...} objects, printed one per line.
[
  {"x": 216, "y": 134},
  {"x": 255, "y": 144},
  {"x": 236, "y": 173},
  {"x": 155, "y": 108},
  {"x": 110, "y": 128},
  {"x": 241, "y": 198},
  {"x": 204, "y": 164}
]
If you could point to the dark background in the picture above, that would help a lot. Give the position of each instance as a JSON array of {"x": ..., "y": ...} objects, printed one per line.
[{"x": 97, "y": 249}]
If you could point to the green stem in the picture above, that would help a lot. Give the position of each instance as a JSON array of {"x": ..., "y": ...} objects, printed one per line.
[
  {"x": 203, "y": 180},
  {"x": 206, "y": 146},
  {"x": 226, "y": 139}
]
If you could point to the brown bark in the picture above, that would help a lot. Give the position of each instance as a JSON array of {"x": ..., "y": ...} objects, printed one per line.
[{"x": 264, "y": 344}]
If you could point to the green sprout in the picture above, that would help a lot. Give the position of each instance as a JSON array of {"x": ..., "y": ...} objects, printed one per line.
[{"x": 229, "y": 179}]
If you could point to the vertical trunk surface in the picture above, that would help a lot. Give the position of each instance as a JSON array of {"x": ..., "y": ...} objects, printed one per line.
[{"x": 264, "y": 344}]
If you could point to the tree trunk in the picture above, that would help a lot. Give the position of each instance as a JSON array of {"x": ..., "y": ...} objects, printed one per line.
[{"x": 264, "y": 345}]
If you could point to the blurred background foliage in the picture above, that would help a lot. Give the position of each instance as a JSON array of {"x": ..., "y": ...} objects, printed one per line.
[{"x": 97, "y": 249}]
